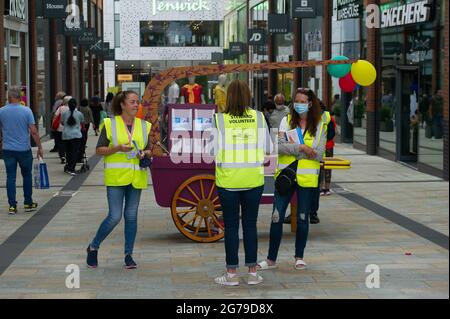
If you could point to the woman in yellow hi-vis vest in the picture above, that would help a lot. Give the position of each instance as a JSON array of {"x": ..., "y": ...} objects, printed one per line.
[
  {"x": 124, "y": 142},
  {"x": 243, "y": 139},
  {"x": 306, "y": 115}
]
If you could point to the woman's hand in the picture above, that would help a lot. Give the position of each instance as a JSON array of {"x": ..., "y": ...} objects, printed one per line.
[
  {"x": 125, "y": 148},
  {"x": 146, "y": 153},
  {"x": 308, "y": 151}
]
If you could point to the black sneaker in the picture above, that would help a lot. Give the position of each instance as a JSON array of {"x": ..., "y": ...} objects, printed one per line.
[
  {"x": 30, "y": 208},
  {"x": 314, "y": 219},
  {"x": 287, "y": 220},
  {"x": 129, "y": 262},
  {"x": 54, "y": 150},
  {"x": 12, "y": 210},
  {"x": 91, "y": 259},
  {"x": 63, "y": 160}
]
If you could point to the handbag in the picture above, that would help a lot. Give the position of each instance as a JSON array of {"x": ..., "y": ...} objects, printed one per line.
[
  {"x": 56, "y": 121},
  {"x": 41, "y": 180},
  {"x": 287, "y": 179}
]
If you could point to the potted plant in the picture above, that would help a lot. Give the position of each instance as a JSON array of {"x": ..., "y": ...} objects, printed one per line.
[
  {"x": 386, "y": 123},
  {"x": 359, "y": 110}
]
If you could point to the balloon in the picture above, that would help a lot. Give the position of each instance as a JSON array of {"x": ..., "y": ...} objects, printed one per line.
[
  {"x": 347, "y": 83},
  {"x": 364, "y": 73},
  {"x": 339, "y": 70}
]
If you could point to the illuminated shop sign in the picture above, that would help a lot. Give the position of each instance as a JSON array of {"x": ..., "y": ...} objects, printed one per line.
[
  {"x": 349, "y": 9},
  {"x": 183, "y": 6},
  {"x": 410, "y": 13}
]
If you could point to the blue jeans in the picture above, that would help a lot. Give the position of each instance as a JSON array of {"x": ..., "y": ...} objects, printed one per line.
[
  {"x": 231, "y": 203},
  {"x": 305, "y": 204},
  {"x": 116, "y": 197},
  {"x": 25, "y": 161}
]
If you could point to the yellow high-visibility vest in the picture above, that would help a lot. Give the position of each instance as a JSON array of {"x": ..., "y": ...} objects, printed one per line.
[
  {"x": 285, "y": 160},
  {"x": 119, "y": 170},
  {"x": 240, "y": 158}
]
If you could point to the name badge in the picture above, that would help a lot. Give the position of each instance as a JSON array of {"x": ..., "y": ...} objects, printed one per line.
[{"x": 131, "y": 155}]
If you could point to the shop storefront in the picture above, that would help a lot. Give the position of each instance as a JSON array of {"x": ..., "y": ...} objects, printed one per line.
[
  {"x": 409, "y": 103},
  {"x": 16, "y": 46},
  {"x": 159, "y": 34}
]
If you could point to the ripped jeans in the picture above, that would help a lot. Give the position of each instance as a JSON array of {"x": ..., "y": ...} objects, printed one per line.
[{"x": 305, "y": 200}]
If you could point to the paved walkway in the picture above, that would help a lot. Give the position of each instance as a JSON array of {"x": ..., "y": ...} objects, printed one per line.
[{"x": 410, "y": 252}]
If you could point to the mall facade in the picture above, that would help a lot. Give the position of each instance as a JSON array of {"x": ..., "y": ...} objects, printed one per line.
[
  {"x": 150, "y": 36},
  {"x": 38, "y": 55},
  {"x": 403, "y": 117}
]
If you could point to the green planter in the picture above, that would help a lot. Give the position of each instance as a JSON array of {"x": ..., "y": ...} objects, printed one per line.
[{"x": 387, "y": 126}]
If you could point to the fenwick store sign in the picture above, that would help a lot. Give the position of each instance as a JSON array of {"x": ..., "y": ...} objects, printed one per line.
[
  {"x": 182, "y": 5},
  {"x": 410, "y": 13}
]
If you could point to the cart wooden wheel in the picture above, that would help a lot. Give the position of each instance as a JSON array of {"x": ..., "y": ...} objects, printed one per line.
[{"x": 196, "y": 209}]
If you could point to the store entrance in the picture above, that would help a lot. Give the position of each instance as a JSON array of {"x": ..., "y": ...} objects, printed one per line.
[{"x": 406, "y": 114}]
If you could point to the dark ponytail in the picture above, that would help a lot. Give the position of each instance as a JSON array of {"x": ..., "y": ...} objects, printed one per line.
[{"x": 72, "y": 106}]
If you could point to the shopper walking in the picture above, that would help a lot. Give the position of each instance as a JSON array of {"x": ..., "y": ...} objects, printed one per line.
[
  {"x": 240, "y": 178},
  {"x": 124, "y": 178},
  {"x": 305, "y": 115},
  {"x": 71, "y": 135},
  {"x": 96, "y": 109},
  {"x": 16, "y": 124},
  {"x": 281, "y": 111},
  {"x": 108, "y": 104},
  {"x": 60, "y": 128},
  {"x": 58, "y": 102},
  {"x": 86, "y": 124}
]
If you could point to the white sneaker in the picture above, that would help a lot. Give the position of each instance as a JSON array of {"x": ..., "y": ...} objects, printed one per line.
[
  {"x": 227, "y": 280},
  {"x": 254, "y": 279}
]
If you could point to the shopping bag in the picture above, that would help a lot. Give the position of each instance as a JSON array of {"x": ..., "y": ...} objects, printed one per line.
[{"x": 41, "y": 180}]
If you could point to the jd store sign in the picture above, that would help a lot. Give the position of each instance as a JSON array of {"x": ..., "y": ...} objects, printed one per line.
[{"x": 256, "y": 36}]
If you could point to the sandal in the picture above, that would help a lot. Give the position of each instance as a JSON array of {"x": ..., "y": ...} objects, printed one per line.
[
  {"x": 300, "y": 264},
  {"x": 263, "y": 265}
]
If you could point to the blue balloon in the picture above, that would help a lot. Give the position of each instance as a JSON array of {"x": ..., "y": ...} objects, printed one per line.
[{"x": 339, "y": 70}]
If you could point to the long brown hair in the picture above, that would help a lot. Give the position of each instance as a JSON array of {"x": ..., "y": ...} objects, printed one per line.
[
  {"x": 118, "y": 100},
  {"x": 239, "y": 98},
  {"x": 314, "y": 113}
]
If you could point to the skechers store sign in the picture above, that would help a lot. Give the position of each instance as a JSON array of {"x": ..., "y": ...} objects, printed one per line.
[
  {"x": 410, "y": 13},
  {"x": 182, "y": 5}
]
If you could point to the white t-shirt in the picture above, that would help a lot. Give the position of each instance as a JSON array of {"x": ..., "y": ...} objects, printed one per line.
[{"x": 284, "y": 126}]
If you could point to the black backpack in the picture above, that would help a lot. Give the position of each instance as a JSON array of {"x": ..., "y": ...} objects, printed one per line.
[{"x": 287, "y": 179}]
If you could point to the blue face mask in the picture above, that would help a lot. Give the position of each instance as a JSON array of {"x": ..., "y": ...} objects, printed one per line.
[{"x": 301, "y": 108}]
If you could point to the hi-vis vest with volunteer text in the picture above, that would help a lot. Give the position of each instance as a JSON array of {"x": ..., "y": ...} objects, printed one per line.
[
  {"x": 119, "y": 170},
  {"x": 240, "y": 158},
  {"x": 285, "y": 160}
]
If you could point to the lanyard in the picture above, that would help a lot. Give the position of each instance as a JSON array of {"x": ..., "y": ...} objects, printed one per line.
[{"x": 130, "y": 135}]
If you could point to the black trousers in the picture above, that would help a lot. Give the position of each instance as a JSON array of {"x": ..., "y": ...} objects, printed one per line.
[
  {"x": 83, "y": 142},
  {"x": 72, "y": 151},
  {"x": 60, "y": 145}
]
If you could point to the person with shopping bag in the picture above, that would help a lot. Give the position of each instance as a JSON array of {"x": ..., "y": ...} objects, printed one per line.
[
  {"x": 16, "y": 124},
  {"x": 124, "y": 177}
]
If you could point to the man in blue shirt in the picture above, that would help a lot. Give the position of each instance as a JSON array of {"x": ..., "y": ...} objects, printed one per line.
[{"x": 16, "y": 124}]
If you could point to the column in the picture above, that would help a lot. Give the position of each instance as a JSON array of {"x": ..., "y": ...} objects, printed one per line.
[
  {"x": 445, "y": 89},
  {"x": 81, "y": 62},
  {"x": 326, "y": 51},
  {"x": 69, "y": 66},
  {"x": 272, "y": 81},
  {"x": 2, "y": 58},
  {"x": 372, "y": 91}
]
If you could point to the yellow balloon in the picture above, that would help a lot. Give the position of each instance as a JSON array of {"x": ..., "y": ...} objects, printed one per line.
[{"x": 364, "y": 73}]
